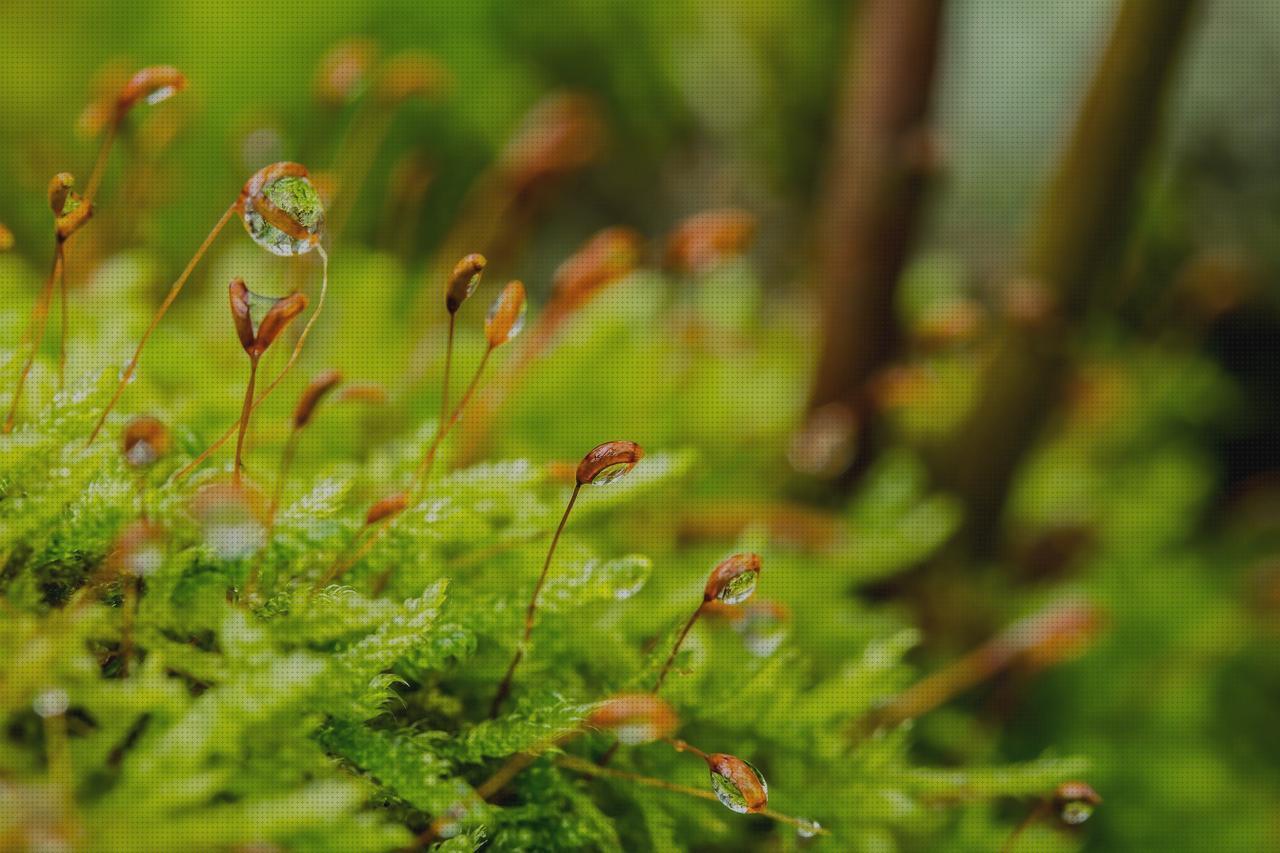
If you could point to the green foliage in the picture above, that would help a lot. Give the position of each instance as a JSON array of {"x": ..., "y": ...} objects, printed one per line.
[{"x": 351, "y": 720}]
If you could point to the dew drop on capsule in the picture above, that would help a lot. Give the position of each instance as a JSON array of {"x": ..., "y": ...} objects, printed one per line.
[
  {"x": 739, "y": 588},
  {"x": 297, "y": 198},
  {"x": 516, "y": 325},
  {"x": 731, "y": 793},
  {"x": 626, "y": 576},
  {"x": 1075, "y": 812}
]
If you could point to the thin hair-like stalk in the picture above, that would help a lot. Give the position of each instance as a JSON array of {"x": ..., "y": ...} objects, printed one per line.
[
  {"x": 530, "y": 613},
  {"x": 244, "y": 419},
  {"x": 181, "y": 281},
  {"x": 39, "y": 318}
]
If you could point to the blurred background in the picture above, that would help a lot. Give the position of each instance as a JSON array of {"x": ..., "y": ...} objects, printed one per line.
[{"x": 1023, "y": 254}]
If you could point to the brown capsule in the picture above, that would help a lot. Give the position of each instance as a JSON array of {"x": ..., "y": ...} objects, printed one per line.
[
  {"x": 704, "y": 239},
  {"x": 238, "y": 293},
  {"x": 609, "y": 461},
  {"x": 139, "y": 550},
  {"x": 366, "y": 393},
  {"x": 463, "y": 281},
  {"x": 386, "y": 508},
  {"x": 1075, "y": 802},
  {"x": 737, "y": 784},
  {"x": 410, "y": 74},
  {"x": 560, "y": 134},
  {"x": 6, "y": 238},
  {"x": 60, "y": 191},
  {"x": 276, "y": 320},
  {"x": 344, "y": 71},
  {"x": 69, "y": 209},
  {"x": 506, "y": 317},
  {"x": 734, "y": 580},
  {"x": 145, "y": 441},
  {"x": 153, "y": 85},
  {"x": 311, "y": 397},
  {"x": 608, "y": 256},
  {"x": 635, "y": 718}
]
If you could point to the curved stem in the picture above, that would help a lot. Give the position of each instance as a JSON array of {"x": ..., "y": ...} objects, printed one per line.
[
  {"x": 424, "y": 468},
  {"x": 1032, "y": 816},
  {"x": 245, "y": 412},
  {"x": 675, "y": 650},
  {"x": 100, "y": 165},
  {"x": 39, "y": 317},
  {"x": 293, "y": 357},
  {"x": 505, "y": 687},
  {"x": 155, "y": 320}
]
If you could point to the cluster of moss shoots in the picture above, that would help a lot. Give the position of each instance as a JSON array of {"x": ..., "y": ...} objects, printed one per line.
[{"x": 282, "y": 212}]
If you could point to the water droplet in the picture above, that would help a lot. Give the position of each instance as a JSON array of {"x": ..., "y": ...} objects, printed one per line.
[
  {"x": 626, "y": 576},
  {"x": 517, "y": 322},
  {"x": 297, "y": 198},
  {"x": 164, "y": 93},
  {"x": 738, "y": 588},
  {"x": 51, "y": 703},
  {"x": 1075, "y": 812},
  {"x": 613, "y": 472},
  {"x": 737, "y": 784},
  {"x": 809, "y": 829}
]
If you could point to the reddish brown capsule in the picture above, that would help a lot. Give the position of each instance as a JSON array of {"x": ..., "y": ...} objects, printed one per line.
[
  {"x": 145, "y": 441},
  {"x": 506, "y": 317},
  {"x": 6, "y": 238},
  {"x": 386, "y": 508},
  {"x": 410, "y": 74},
  {"x": 463, "y": 280},
  {"x": 560, "y": 134},
  {"x": 737, "y": 784},
  {"x": 703, "y": 240},
  {"x": 635, "y": 718},
  {"x": 69, "y": 209},
  {"x": 608, "y": 462},
  {"x": 153, "y": 85},
  {"x": 311, "y": 397},
  {"x": 608, "y": 256},
  {"x": 278, "y": 317},
  {"x": 139, "y": 550},
  {"x": 59, "y": 191},
  {"x": 734, "y": 580},
  {"x": 365, "y": 393},
  {"x": 344, "y": 71}
]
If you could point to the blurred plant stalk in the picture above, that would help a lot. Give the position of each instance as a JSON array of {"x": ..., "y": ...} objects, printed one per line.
[
  {"x": 882, "y": 154},
  {"x": 1083, "y": 221}
]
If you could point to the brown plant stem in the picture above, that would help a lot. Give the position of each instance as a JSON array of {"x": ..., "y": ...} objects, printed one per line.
[
  {"x": 505, "y": 687},
  {"x": 100, "y": 164},
  {"x": 155, "y": 320},
  {"x": 1082, "y": 222},
  {"x": 1041, "y": 809},
  {"x": 880, "y": 158},
  {"x": 245, "y": 411},
  {"x": 675, "y": 650},
  {"x": 448, "y": 365}
]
